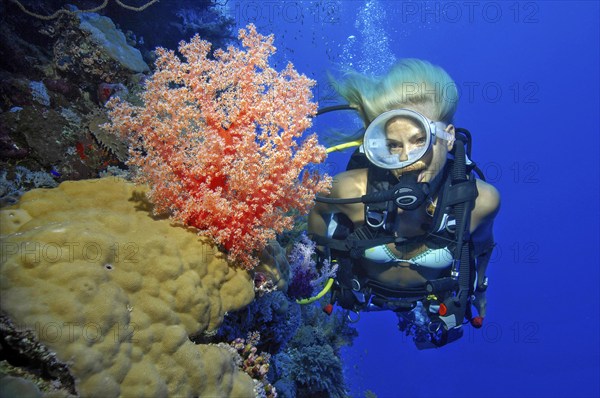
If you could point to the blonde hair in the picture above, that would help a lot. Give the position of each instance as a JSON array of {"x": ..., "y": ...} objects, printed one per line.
[{"x": 412, "y": 83}]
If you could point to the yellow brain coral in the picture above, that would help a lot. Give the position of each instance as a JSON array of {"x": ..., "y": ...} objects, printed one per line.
[{"x": 116, "y": 293}]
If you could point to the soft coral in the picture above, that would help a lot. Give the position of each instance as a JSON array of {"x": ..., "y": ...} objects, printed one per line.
[{"x": 216, "y": 142}]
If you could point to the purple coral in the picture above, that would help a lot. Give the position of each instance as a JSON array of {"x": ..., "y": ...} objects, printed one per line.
[
  {"x": 300, "y": 285},
  {"x": 304, "y": 274}
]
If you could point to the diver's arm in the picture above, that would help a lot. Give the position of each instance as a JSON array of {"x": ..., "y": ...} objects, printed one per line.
[
  {"x": 316, "y": 220},
  {"x": 486, "y": 208},
  {"x": 348, "y": 184},
  {"x": 317, "y": 216}
]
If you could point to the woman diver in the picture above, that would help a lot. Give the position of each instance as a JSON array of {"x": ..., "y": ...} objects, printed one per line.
[{"x": 393, "y": 222}]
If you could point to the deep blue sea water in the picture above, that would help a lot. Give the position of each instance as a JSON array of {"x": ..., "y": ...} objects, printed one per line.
[{"x": 528, "y": 76}]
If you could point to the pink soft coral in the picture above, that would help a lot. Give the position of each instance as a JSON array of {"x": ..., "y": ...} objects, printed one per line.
[{"x": 216, "y": 142}]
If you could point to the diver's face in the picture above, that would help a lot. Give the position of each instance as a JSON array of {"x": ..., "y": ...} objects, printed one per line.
[{"x": 404, "y": 136}]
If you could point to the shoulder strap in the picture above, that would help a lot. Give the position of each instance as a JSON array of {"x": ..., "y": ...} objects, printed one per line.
[
  {"x": 461, "y": 196},
  {"x": 382, "y": 214},
  {"x": 358, "y": 160}
]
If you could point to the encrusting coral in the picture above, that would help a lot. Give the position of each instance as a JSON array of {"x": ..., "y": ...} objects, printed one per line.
[
  {"x": 116, "y": 292},
  {"x": 254, "y": 363},
  {"x": 216, "y": 142}
]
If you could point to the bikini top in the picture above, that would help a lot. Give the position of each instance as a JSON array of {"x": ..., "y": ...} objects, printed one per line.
[
  {"x": 438, "y": 257},
  {"x": 431, "y": 258},
  {"x": 434, "y": 258}
]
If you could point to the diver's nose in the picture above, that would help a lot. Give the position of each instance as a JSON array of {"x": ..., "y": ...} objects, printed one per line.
[
  {"x": 403, "y": 155},
  {"x": 406, "y": 150}
]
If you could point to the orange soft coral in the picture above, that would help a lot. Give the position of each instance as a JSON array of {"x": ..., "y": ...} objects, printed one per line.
[{"x": 216, "y": 142}]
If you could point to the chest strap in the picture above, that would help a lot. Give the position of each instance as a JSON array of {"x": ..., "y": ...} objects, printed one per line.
[{"x": 356, "y": 242}]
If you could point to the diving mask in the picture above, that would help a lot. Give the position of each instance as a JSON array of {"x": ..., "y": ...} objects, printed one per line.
[{"x": 385, "y": 152}]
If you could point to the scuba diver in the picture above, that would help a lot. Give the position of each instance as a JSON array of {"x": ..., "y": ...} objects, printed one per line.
[{"x": 408, "y": 224}]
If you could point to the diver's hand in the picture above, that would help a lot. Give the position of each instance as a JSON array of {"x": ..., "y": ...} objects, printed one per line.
[{"x": 480, "y": 303}]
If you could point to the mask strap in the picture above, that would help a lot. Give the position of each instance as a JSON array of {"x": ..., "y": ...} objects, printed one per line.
[{"x": 439, "y": 129}]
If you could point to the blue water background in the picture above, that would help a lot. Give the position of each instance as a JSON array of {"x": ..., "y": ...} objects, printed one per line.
[{"x": 528, "y": 77}]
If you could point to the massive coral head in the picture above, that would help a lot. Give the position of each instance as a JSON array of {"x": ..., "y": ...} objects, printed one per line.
[{"x": 218, "y": 141}]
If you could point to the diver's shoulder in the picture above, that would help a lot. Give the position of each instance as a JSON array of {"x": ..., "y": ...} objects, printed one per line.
[
  {"x": 488, "y": 200},
  {"x": 350, "y": 183},
  {"x": 353, "y": 174}
]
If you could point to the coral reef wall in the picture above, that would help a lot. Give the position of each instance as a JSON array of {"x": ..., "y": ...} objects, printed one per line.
[
  {"x": 100, "y": 297},
  {"x": 116, "y": 292},
  {"x": 56, "y": 75}
]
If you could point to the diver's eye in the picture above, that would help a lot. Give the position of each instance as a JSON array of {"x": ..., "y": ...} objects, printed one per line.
[
  {"x": 420, "y": 141},
  {"x": 394, "y": 146}
]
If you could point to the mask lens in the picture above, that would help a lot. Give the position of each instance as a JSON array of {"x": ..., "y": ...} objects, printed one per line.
[
  {"x": 415, "y": 144},
  {"x": 393, "y": 150}
]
